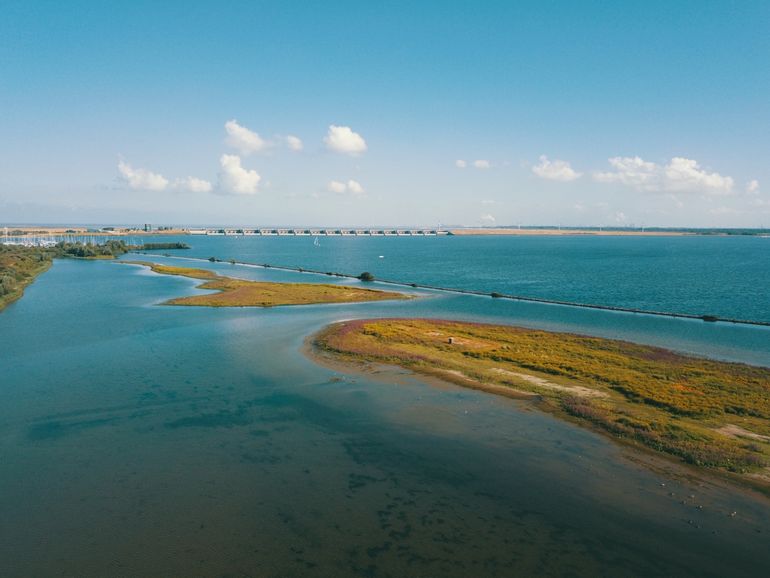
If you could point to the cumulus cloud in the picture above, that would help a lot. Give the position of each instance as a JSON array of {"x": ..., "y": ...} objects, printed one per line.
[
  {"x": 686, "y": 175},
  {"x": 294, "y": 143},
  {"x": 244, "y": 140},
  {"x": 234, "y": 179},
  {"x": 481, "y": 164},
  {"x": 487, "y": 219},
  {"x": 141, "y": 179},
  {"x": 353, "y": 187},
  {"x": 460, "y": 164},
  {"x": 337, "y": 187},
  {"x": 752, "y": 187},
  {"x": 193, "y": 185},
  {"x": 342, "y": 139},
  {"x": 679, "y": 175},
  {"x": 555, "y": 170}
]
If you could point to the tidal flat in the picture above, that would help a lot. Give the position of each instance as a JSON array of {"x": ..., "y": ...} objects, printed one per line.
[
  {"x": 709, "y": 413},
  {"x": 232, "y": 292}
]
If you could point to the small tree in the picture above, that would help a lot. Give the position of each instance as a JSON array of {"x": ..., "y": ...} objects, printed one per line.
[{"x": 366, "y": 276}]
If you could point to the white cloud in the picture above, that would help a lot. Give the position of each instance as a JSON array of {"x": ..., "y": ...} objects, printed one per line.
[
  {"x": 294, "y": 143},
  {"x": 141, "y": 179},
  {"x": 337, "y": 187},
  {"x": 679, "y": 175},
  {"x": 488, "y": 202},
  {"x": 620, "y": 217},
  {"x": 631, "y": 171},
  {"x": 481, "y": 164},
  {"x": 555, "y": 170},
  {"x": 460, "y": 164},
  {"x": 193, "y": 185},
  {"x": 233, "y": 178},
  {"x": 342, "y": 139},
  {"x": 752, "y": 187},
  {"x": 244, "y": 140},
  {"x": 487, "y": 219},
  {"x": 686, "y": 175},
  {"x": 353, "y": 187}
]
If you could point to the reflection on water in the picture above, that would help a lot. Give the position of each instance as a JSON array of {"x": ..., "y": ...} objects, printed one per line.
[{"x": 145, "y": 440}]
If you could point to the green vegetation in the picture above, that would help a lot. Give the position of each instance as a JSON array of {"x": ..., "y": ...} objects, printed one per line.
[
  {"x": 366, "y": 276},
  {"x": 708, "y": 413},
  {"x": 243, "y": 293},
  {"x": 107, "y": 250},
  {"x": 162, "y": 246},
  {"x": 19, "y": 266}
]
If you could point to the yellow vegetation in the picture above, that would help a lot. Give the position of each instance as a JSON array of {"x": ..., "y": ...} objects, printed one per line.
[
  {"x": 243, "y": 293},
  {"x": 669, "y": 402}
]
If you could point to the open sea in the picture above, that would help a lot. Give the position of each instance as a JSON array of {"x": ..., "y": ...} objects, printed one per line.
[{"x": 142, "y": 440}]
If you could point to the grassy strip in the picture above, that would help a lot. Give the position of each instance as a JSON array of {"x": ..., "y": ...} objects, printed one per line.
[
  {"x": 243, "y": 293},
  {"x": 669, "y": 402}
]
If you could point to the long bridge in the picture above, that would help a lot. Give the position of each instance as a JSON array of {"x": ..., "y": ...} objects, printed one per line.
[{"x": 321, "y": 232}]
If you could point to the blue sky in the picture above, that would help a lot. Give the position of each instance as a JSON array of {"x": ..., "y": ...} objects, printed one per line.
[{"x": 572, "y": 113}]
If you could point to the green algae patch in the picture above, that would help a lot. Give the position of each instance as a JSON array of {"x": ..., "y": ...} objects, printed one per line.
[
  {"x": 244, "y": 293},
  {"x": 708, "y": 413}
]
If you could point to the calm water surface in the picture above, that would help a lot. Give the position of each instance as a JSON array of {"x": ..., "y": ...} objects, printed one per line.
[
  {"x": 724, "y": 276},
  {"x": 156, "y": 441}
]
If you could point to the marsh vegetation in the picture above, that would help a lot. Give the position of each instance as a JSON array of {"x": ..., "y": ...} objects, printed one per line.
[
  {"x": 708, "y": 413},
  {"x": 244, "y": 293}
]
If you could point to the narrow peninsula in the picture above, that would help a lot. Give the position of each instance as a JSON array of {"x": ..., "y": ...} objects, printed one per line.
[
  {"x": 244, "y": 293},
  {"x": 708, "y": 413}
]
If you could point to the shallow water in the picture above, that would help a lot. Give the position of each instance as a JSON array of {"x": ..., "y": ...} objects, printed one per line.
[{"x": 144, "y": 440}]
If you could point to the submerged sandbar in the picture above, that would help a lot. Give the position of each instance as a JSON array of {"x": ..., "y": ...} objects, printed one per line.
[
  {"x": 709, "y": 413},
  {"x": 244, "y": 293}
]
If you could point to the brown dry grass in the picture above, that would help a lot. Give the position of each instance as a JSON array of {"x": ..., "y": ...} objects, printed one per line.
[{"x": 243, "y": 293}]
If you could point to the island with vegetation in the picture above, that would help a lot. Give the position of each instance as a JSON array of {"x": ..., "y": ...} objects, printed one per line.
[
  {"x": 161, "y": 246},
  {"x": 708, "y": 413},
  {"x": 231, "y": 292}
]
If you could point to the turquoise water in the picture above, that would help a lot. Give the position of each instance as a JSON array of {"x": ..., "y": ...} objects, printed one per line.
[
  {"x": 155, "y": 441},
  {"x": 723, "y": 276}
]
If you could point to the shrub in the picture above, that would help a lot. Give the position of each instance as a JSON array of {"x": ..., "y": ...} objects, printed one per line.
[{"x": 366, "y": 276}]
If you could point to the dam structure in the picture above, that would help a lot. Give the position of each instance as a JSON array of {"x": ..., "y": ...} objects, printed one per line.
[{"x": 320, "y": 232}]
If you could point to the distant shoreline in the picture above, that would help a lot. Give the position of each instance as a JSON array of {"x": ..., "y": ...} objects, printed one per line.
[
  {"x": 120, "y": 231},
  {"x": 567, "y": 232}
]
